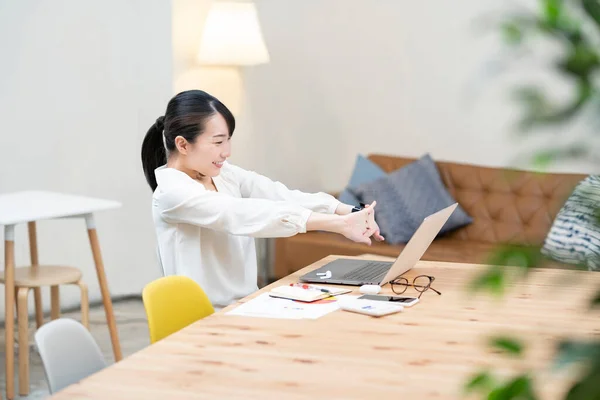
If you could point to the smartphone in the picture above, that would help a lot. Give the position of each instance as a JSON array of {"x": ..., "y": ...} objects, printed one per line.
[{"x": 405, "y": 301}]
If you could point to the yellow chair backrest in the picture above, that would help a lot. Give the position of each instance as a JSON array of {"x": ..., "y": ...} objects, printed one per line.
[{"x": 172, "y": 303}]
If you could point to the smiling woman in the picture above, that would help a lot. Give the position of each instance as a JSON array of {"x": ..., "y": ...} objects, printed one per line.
[{"x": 207, "y": 211}]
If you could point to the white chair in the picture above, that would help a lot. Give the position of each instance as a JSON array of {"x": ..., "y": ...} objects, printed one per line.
[{"x": 68, "y": 351}]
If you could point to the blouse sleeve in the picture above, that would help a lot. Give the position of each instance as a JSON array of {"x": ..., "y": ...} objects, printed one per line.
[
  {"x": 254, "y": 185},
  {"x": 236, "y": 216}
]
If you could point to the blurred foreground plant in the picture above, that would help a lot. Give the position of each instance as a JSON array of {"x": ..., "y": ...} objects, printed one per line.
[{"x": 575, "y": 27}]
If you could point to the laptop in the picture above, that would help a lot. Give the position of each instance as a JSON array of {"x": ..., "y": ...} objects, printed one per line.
[{"x": 345, "y": 271}]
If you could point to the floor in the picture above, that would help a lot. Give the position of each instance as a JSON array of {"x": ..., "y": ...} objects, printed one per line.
[{"x": 133, "y": 335}]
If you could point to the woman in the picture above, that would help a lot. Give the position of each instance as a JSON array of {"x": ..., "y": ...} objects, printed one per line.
[{"x": 207, "y": 211}]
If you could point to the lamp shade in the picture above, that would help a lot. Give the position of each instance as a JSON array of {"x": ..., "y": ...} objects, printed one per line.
[{"x": 232, "y": 36}]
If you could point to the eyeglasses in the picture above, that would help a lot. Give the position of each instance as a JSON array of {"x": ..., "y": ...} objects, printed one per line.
[{"x": 421, "y": 283}]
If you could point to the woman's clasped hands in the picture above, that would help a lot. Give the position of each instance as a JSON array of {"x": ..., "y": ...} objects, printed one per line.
[{"x": 361, "y": 226}]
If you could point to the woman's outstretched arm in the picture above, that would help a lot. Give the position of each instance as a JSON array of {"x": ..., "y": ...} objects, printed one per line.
[{"x": 256, "y": 217}]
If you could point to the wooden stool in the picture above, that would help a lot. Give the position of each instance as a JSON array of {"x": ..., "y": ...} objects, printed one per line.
[
  {"x": 33, "y": 277},
  {"x": 29, "y": 207}
]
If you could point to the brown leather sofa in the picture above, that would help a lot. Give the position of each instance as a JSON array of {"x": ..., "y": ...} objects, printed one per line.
[{"x": 507, "y": 206}]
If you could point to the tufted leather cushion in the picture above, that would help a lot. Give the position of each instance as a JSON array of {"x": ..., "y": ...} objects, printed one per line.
[{"x": 507, "y": 205}]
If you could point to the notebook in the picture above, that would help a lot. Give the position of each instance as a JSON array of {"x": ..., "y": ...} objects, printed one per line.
[{"x": 306, "y": 293}]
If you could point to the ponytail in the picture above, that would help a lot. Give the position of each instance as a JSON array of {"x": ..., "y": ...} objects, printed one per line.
[{"x": 153, "y": 151}]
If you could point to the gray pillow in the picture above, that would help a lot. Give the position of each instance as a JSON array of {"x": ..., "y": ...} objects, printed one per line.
[
  {"x": 406, "y": 196},
  {"x": 364, "y": 171}
]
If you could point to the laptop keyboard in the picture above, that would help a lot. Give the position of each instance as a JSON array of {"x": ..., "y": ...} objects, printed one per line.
[{"x": 369, "y": 272}]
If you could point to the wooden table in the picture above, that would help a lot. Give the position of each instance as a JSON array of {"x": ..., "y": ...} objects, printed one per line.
[
  {"x": 29, "y": 207},
  {"x": 426, "y": 352}
]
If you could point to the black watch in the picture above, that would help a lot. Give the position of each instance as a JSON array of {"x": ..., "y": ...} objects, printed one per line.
[{"x": 357, "y": 209}]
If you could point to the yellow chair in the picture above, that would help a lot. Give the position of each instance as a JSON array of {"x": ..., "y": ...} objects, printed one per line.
[{"x": 172, "y": 303}]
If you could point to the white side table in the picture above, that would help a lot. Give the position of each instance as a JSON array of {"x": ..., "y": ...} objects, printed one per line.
[{"x": 29, "y": 207}]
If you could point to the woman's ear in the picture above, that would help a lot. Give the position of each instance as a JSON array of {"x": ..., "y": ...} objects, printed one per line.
[{"x": 181, "y": 144}]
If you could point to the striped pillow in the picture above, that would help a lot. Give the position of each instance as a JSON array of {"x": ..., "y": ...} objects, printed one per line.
[{"x": 574, "y": 237}]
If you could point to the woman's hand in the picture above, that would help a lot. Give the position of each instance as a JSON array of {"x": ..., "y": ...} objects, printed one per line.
[
  {"x": 355, "y": 226},
  {"x": 373, "y": 227},
  {"x": 358, "y": 226}
]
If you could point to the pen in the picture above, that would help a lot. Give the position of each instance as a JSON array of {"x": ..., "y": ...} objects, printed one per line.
[{"x": 303, "y": 286}]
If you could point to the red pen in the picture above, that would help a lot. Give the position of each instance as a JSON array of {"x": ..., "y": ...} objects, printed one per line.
[{"x": 305, "y": 286}]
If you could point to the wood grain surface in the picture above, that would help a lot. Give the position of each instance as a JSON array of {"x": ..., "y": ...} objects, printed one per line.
[{"x": 426, "y": 352}]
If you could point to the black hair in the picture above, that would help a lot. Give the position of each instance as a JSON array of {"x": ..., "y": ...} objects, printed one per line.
[{"x": 186, "y": 116}]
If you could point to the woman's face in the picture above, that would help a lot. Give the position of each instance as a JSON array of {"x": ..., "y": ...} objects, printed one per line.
[{"x": 207, "y": 154}]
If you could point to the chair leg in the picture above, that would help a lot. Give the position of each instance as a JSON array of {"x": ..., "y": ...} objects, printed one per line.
[
  {"x": 39, "y": 310},
  {"x": 85, "y": 304},
  {"x": 37, "y": 292},
  {"x": 17, "y": 303},
  {"x": 55, "y": 303},
  {"x": 23, "y": 322}
]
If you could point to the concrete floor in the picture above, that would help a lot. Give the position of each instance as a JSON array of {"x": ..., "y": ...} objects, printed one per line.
[{"x": 133, "y": 335}]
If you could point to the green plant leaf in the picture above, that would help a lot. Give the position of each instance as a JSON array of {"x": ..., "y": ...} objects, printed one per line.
[
  {"x": 539, "y": 111},
  {"x": 525, "y": 257},
  {"x": 494, "y": 277},
  {"x": 482, "y": 382},
  {"x": 507, "y": 344},
  {"x": 492, "y": 280},
  {"x": 592, "y": 9},
  {"x": 497, "y": 394},
  {"x": 512, "y": 33},
  {"x": 535, "y": 105},
  {"x": 519, "y": 388},
  {"x": 588, "y": 387},
  {"x": 596, "y": 300},
  {"x": 532, "y": 98},
  {"x": 543, "y": 158},
  {"x": 552, "y": 10},
  {"x": 581, "y": 61}
]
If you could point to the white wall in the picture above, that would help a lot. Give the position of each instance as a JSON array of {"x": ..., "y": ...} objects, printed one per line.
[
  {"x": 80, "y": 83},
  {"x": 393, "y": 76}
]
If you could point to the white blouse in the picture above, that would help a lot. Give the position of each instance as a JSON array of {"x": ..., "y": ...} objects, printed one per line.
[{"x": 209, "y": 236}]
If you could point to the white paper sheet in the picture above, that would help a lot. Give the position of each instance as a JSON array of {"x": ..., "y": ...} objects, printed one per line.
[{"x": 266, "y": 306}]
